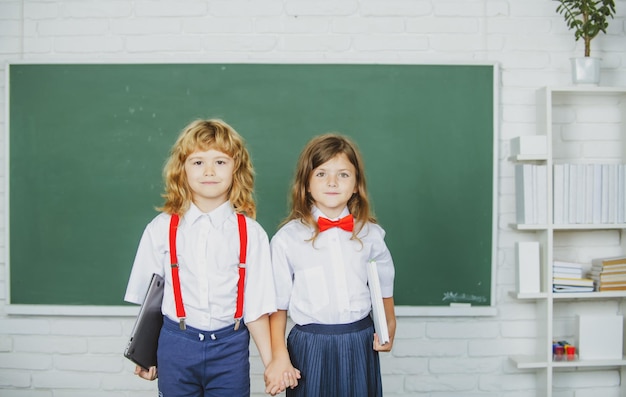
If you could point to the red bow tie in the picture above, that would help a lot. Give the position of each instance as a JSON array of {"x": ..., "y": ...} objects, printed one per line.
[{"x": 346, "y": 223}]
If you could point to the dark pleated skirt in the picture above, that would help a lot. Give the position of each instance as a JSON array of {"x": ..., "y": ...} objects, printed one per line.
[{"x": 335, "y": 360}]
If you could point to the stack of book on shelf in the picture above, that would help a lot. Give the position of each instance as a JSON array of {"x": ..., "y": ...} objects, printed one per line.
[
  {"x": 531, "y": 201},
  {"x": 589, "y": 193},
  {"x": 609, "y": 274},
  {"x": 570, "y": 277}
]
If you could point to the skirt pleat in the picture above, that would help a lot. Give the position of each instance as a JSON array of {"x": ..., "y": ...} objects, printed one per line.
[{"x": 335, "y": 360}]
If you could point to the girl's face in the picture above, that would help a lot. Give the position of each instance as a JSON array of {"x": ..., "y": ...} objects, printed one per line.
[
  {"x": 210, "y": 176},
  {"x": 332, "y": 184}
]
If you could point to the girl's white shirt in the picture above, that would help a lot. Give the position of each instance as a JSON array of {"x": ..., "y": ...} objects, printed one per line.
[
  {"x": 208, "y": 257},
  {"x": 325, "y": 282}
]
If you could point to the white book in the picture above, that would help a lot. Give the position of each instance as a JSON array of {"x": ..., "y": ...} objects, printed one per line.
[
  {"x": 378, "y": 308},
  {"x": 580, "y": 193},
  {"x": 605, "y": 193},
  {"x": 528, "y": 267},
  {"x": 541, "y": 191},
  {"x": 524, "y": 194},
  {"x": 566, "y": 192},
  {"x": 597, "y": 193},
  {"x": 621, "y": 216},
  {"x": 557, "y": 183},
  {"x": 588, "y": 193},
  {"x": 572, "y": 193},
  {"x": 612, "y": 193}
]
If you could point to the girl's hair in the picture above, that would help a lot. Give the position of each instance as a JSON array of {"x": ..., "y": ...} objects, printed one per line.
[
  {"x": 204, "y": 135},
  {"x": 319, "y": 150}
]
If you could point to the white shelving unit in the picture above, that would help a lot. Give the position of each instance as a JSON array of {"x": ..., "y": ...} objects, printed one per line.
[{"x": 561, "y": 111}]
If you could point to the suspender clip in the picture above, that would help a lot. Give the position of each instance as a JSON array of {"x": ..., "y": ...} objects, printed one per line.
[
  {"x": 237, "y": 321},
  {"x": 181, "y": 324}
]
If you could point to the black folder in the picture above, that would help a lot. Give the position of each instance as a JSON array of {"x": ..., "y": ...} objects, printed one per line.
[{"x": 144, "y": 339}]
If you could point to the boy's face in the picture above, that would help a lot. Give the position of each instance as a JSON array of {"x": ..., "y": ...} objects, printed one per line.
[
  {"x": 332, "y": 184},
  {"x": 210, "y": 176}
]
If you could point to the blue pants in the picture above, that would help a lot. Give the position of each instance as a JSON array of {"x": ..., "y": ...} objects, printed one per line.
[{"x": 196, "y": 363}]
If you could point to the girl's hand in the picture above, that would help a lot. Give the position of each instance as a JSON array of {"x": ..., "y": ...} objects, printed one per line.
[
  {"x": 279, "y": 375},
  {"x": 150, "y": 374},
  {"x": 382, "y": 348}
]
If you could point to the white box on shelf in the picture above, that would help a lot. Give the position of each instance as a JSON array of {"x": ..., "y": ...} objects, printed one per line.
[
  {"x": 528, "y": 267},
  {"x": 600, "y": 337},
  {"x": 529, "y": 145}
]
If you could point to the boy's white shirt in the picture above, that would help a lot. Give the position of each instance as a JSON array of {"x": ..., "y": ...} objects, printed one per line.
[
  {"x": 208, "y": 256},
  {"x": 326, "y": 283}
]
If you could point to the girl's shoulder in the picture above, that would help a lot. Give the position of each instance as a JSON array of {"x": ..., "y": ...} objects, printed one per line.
[{"x": 372, "y": 230}]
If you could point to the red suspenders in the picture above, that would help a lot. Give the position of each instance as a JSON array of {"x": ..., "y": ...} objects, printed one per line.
[{"x": 178, "y": 298}]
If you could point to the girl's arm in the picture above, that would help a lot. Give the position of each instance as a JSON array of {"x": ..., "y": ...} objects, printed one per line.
[
  {"x": 390, "y": 313},
  {"x": 280, "y": 373}
]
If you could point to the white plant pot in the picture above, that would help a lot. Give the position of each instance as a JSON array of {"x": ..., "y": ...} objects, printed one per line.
[{"x": 586, "y": 70}]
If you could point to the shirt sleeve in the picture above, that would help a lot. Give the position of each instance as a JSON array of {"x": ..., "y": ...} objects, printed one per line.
[
  {"x": 384, "y": 261},
  {"x": 260, "y": 294},
  {"x": 283, "y": 273},
  {"x": 147, "y": 261}
]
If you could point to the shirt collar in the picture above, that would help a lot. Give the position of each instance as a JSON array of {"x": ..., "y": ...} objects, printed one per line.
[
  {"x": 217, "y": 217},
  {"x": 317, "y": 213}
]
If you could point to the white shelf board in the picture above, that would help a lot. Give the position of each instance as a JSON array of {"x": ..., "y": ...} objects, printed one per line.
[
  {"x": 528, "y": 296},
  {"x": 529, "y": 157},
  {"x": 534, "y": 362},
  {"x": 581, "y": 226},
  {"x": 590, "y": 363},
  {"x": 589, "y": 295},
  {"x": 528, "y": 362},
  {"x": 594, "y": 226}
]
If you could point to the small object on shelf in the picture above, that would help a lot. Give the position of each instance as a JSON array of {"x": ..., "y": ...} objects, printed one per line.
[
  {"x": 529, "y": 145},
  {"x": 563, "y": 351},
  {"x": 528, "y": 268},
  {"x": 600, "y": 337}
]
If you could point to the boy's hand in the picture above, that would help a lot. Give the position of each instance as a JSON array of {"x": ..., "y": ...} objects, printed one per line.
[{"x": 150, "y": 374}]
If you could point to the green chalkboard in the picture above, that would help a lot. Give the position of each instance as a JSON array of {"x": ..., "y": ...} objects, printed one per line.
[{"x": 87, "y": 143}]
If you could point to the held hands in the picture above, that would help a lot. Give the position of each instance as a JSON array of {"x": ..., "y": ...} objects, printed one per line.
[
  {"x": 279, "y": 375},
  {"x": 382, "y": 348},
  {"x": 150, "y": 374}
]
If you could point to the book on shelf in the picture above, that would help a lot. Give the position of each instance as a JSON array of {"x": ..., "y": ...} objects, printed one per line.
[
  {"x": 609, "y": 278},
  {"x": 540, "y": 175},
  {"x": 588, "y": 193},
  {"x": 567, "y": 269},
  {"x": 608, "y": 262},
  {"x": 608, "y": 269},
  {"x": 612, "y": 282},
  {"x": 614, "y": 287},
  {"x": 577, "y": 282},
  {"x": 572, "y": 288},
  {"x": 559, "y": 196},
  {"x": 608, "y": 272},
  {"x": 524, "y": 194}
]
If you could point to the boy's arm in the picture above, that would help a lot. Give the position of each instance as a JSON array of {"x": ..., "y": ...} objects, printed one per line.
[
  {"x": 390, "y": 314},
  {"x": 280, "y": 373},
  {"x": 260, "y": 331}
]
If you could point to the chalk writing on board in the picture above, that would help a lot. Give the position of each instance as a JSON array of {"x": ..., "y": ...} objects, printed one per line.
[{"x": 462, "y": 297}]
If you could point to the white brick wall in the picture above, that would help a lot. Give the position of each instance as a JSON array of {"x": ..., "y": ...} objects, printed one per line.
[{"x": 77, "y": 356}]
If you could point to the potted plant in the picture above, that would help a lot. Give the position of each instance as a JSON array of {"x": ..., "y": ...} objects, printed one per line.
[{"x": 587, "y": 18}]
